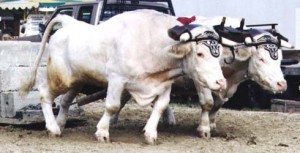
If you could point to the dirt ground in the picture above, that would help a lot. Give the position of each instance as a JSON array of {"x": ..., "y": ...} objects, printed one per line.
[{"x": 237, "y": 132}]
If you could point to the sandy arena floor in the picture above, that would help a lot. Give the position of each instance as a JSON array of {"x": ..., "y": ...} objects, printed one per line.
[{"x": 237, "y": 132}]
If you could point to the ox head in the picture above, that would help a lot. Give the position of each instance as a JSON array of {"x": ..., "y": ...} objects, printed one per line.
[
  {"x": 200, "y": 50},
  {"x": 262, "y": 49},
  {"x": 264, "y": 64}
]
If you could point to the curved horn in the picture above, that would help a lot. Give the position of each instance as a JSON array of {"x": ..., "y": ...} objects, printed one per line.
[
  {"x": 248, "y": 40},
  {"x": 185, "y": 37},
  {"x": 286, "y": 44},
  {"x": 228, "y": 42}
]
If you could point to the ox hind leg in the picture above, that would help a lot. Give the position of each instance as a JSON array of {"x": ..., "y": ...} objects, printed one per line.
[
  {"x": 46, "y": 99},
  {"x": 65, "y": 103},
  {"x": 112, "y": 106},
  {"x": 71, "y": 94},
  {"x": 159, "y": 107},
  {"x": 49, "y": 90}
]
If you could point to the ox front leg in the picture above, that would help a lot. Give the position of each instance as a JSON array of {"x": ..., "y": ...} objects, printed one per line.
[
  {"x": 159, "y": 107},
  {"x": 112, "y": 105},
  {"x": 212, "y": 114},
  {"x": 206, "y": 102},
  {"x": 169, "y": 117},
  {"x": 65, "y": 103},
  {"x": 46, "y": 104}
]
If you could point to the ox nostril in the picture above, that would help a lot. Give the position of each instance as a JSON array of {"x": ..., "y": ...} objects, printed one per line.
[
  {"x": 281, "y": 85},
  {"x": 221, "y": 83}
]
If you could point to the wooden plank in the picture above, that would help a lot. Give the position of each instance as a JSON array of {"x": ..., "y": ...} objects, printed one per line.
[
  {"x": 285, "y": 101},
  {"x": 286, "y": 106},
  {"x": 291, "y": 54}
]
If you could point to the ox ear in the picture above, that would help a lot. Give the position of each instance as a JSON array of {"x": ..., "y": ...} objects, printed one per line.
[
  {"x": 185, "y": 37},
  {"x": 180, "y": 50},
  {"x": 248, "y": 40},
  {"x": 243, "y": 54}
]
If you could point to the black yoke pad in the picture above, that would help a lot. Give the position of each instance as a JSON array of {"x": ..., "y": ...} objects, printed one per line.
[
  {"x": 177, "y": 31},
  {"x": 230, "y": 33}
]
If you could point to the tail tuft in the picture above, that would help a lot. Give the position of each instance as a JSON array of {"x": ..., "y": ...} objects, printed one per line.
[{"x": 27, "y": 85}]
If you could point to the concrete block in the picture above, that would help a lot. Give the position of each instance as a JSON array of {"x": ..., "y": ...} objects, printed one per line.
[
  {"x": 6, "y": 105},
  {"x": 11, "y": 78},
  {"x": 10, "y": 102},
  {"x": 19, "y": 53},
  {"x": 16, "y": 61},
  {"x": 19, "y": 111}
]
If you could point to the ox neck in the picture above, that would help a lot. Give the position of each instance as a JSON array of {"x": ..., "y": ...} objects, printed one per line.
[
  {"x": 180, "y": 71},
  {"x": 175, "y": 73},
  {"x": 237, "y": 70}
]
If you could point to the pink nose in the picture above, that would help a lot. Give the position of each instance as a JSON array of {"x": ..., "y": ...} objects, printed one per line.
[
  {"x": 221, "y": 83},
  {"x": 281, "y": 85}
]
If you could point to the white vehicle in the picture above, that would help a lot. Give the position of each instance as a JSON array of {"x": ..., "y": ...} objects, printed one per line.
[{"x": 31, "y": 26}]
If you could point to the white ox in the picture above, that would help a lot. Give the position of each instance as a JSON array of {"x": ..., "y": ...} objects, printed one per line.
[
  {"x": 132, "y": 52},
  {"x": 259, "y": 62}
]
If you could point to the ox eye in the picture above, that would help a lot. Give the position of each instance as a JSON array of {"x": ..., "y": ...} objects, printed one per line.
[
  {"x": 200, "y": 55},
  {"x": 262, "y": 60}
]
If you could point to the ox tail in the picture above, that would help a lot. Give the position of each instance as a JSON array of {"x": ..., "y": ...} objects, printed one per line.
[{"x": 29, "y": 82}]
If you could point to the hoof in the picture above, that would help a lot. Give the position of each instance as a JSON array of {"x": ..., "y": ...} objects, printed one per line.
[
  {"x": 205, "y": 135},
  {"x": 61, "y": 125},
  {"x": 151, "y": 139},
  {"x": 53, "y": 135},
  {"x": 213, "y": 126},
  {"x": 102, "y": 136},
  {"x": 53, "y": 131},
  {"x": 204, "y": 132}
]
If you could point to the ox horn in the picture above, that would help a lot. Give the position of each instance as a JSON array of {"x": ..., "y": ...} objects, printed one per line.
[
  {"x": 228, "y": 42},
  {"x": 248, "y": 40},
  {"x": 185, "y": 37},
  {"x": 188, "y": 34},
  {"x": 286, "y": 44}
]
